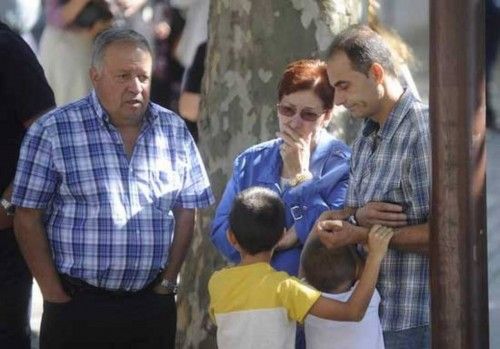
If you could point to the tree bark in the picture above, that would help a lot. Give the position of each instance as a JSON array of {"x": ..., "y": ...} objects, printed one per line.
[{"x": 250, "y": 44}]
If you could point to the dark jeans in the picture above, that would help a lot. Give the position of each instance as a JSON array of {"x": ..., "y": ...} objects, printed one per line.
[
  {"x": 413, "y": 338},
  {"x": 106, "y": 320},
  {"x": 15, "y": 294}
]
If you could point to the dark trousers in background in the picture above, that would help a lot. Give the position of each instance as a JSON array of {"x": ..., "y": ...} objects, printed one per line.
[
  {"x": 15, "y": 294},
  {"x": 105, "y": 320}
]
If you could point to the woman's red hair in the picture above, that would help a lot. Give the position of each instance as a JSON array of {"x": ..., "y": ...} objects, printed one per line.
[{"x": 307, "y": 74}]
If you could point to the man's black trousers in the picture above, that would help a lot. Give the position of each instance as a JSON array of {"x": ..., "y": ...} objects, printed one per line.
[{"x": 94, "y": 319}]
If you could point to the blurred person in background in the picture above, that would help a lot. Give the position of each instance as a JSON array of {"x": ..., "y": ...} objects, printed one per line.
[
  {"x": 195, "y": 31},
  {"x": 189, "y": 101},
  {"x": 21, "y": 16},
  {"x": 24, "y": 94},
  {"x": 66, "y": 44},
  {"x": 492, "y": 33},
  {"x": 167, "y": 70},
  {"x": 71, "y": 26}
]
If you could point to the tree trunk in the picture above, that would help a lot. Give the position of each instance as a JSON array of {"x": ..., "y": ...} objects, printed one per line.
[{"x": 250, "y": 43}]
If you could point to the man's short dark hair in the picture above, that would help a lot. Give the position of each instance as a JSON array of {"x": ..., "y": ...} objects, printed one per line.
[
  {"x": 363, "y": 47},
  {"x": 327, "y": 269},
  {"x": 257, "y": 219}
]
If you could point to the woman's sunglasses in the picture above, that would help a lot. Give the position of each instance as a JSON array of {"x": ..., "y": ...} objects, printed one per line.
[{"x": 305, "y": 114}]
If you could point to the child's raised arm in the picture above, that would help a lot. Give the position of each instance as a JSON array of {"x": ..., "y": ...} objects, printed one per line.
[{"x": 354, "y": 309}]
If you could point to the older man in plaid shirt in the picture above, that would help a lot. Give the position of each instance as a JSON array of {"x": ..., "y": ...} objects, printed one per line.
[
  {"x": 389, "y": 180},
  {"x": 106, "y": 189}
]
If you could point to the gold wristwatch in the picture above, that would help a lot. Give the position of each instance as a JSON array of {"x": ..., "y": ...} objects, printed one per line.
[{"x": 300, "y": 178}]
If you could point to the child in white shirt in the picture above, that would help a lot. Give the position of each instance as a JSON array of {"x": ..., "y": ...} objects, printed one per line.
[{"x": 334, "y": 272}]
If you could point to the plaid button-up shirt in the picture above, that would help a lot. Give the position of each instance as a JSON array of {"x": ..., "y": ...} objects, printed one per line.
[
  {"x": 393, "y": 165},
  {"x": 109, "y": 219}
]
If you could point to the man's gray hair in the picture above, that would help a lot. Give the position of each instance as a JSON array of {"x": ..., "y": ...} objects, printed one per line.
[{"x": 110, "y": 36}]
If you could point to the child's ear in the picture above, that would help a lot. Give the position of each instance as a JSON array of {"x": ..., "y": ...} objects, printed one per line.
[{"x": 231, "y": 238}]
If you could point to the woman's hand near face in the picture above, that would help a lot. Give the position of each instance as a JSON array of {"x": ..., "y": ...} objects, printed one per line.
[{"x": 295, "y": 152}]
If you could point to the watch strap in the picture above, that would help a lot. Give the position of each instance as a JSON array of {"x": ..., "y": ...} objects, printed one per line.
[
  {"x": 352, "y": 219},
  {"x": 7, "y": 206},
  {"x": 170, "y": 286}
]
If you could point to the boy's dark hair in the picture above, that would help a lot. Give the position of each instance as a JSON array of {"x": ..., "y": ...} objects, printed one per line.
[
  {"x": 327, "y": 269},
  {"x": 257, "y": 219},
  {"x": 363, "y": 47}
]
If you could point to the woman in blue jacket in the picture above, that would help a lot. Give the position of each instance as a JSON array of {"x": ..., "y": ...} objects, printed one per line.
[{"x": 307, "y": 166}]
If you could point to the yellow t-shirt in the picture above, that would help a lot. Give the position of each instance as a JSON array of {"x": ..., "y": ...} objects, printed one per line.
[{"x": 255, "y": 306}]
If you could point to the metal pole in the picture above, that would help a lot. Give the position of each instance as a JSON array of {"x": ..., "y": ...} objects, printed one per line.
[{"x": 458, "y": 221}]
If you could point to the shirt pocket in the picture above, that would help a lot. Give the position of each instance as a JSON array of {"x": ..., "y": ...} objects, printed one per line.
[
  {"x": 165, "y": 187},
  {"x": 394, "y": 192}
]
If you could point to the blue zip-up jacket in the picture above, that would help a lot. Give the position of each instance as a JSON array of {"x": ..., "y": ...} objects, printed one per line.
[{"x": 261, "y": 165}]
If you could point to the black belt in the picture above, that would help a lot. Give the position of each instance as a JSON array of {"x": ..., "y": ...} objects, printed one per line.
[{"x": 74, "y": 286}]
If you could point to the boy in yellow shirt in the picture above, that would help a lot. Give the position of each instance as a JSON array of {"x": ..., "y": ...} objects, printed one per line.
[{"x": 255, "y": 306}]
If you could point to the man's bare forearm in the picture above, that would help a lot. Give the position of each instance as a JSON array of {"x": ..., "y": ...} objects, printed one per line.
[
  {"x": 341, "y": 214},
  {"x": 411, "y": 238},
  {"x": 32, "y": 240},
  {"x": 183, "y": 234}
]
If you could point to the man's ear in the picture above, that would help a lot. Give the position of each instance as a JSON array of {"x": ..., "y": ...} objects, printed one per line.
[
  {"x": 94, "y": 74},
  {"x": 377, "y": 73}
]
